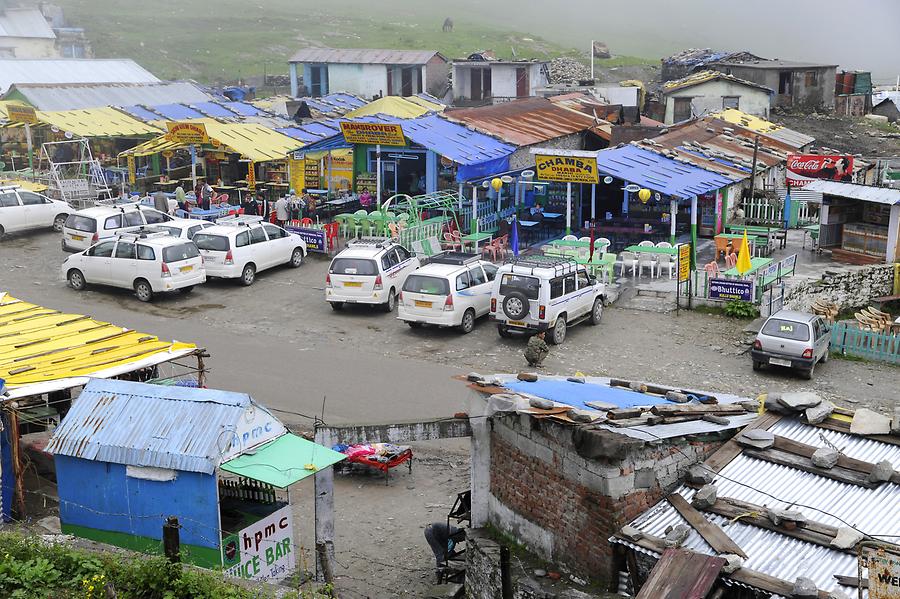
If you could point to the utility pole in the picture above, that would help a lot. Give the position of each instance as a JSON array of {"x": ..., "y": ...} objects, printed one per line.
[{"x": 171, "y": 541}]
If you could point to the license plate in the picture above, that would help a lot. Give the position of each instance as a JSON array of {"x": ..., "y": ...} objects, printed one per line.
[
  {"x": 187, "y": 268},
  {"x": 779, "y": 362},
  {"x": 77, "y": 237},
  {"x": 352, "y": 284},
  {"x": 421, "y": 304},
  {"x": 516, "y": 323}
]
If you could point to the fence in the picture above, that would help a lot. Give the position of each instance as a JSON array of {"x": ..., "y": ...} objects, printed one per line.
[
  {"x": 851, "y": 340},
  {"x": 419, "y": 232},
  {"x": 769, "y": 212}
]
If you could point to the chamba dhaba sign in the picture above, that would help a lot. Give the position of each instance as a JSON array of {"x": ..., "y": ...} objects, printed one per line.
[
  {"x": 187, "y": 133},
  {"x": 566, "y": 169},
  {"x": 386, "y": 134}
]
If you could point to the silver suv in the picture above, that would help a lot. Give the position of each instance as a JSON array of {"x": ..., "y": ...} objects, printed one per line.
[{"x": 794, "y": 340}]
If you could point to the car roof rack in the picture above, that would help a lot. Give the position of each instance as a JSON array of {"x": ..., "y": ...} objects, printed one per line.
[
  {"x": 142, "y": 233},
  {"x": 379, "y": 242},
  {"x": 454, "y": 258},
  {"x": 559, "y": 265},
  {"x": 10, "y": 187},
  {"x": 239, "y": 220}
]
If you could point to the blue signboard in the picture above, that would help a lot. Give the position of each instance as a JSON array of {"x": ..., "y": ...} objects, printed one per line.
[
  {"x": 728, "y": 289},
  {"x": 314, "y": 238}
]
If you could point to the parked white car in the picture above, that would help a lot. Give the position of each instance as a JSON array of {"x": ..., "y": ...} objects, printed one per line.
[
  {"x": 149, "y": 263},
  {"x": 86, "y": 227},
  {"x": 452, "y": 290},
  {"x": 185, "y": 228},
  {"x": 550, "y": 294},
  {"x": 23, "y": 210},
  {"x": 238, "y": 247},
  {"x": 369, "y": 271}
]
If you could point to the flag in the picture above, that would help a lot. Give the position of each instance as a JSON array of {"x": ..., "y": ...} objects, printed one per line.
[
  {"x": 514, "y": 237},
  {"x": 787, "y": 209},
  {"x": 744, "y": 263}
]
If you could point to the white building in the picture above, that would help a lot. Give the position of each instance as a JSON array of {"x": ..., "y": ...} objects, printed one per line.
[
  {"x": 487, "y": 81},
  {"x": 25, "y": 33},
  {"x": 368, "y": 73},
  {"x": 710, "y": 91}
]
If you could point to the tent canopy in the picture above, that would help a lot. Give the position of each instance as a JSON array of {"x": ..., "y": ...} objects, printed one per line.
[{"x": 284, "y": 461}]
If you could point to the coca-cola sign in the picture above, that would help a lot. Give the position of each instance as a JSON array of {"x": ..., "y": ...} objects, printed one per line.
[{"x": 803, "y": 168}]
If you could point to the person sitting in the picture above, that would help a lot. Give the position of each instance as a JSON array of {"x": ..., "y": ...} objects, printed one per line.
[
  {"x": 365, "y": 198},
  {"x": 438, "y": 535},
  {"x": 536, "y": 350}
]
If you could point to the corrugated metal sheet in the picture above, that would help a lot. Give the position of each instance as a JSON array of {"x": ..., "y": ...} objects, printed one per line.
[
  {"x": 177, "y": 112},
  {"x": 25, "y": 22},
  {"x": 768, "y": 128},
  {"x": 363, "y": 56},
  {"x": 95, "y": 95},
  {"x": 150, "y": 425},
  {"x": 242, "y": 108},
  {"x": 873, "y": 511},
  {"x": 706, "y": 76},
  {"x": 71, "y": 70},
  {"x": 524, "y": 122},
  {"x": 880, "y": 195},
  {"x": 774, "y": 63}
]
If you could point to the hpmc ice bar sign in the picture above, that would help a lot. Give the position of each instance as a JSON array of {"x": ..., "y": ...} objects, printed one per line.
[{"x": 264, "y": 550}]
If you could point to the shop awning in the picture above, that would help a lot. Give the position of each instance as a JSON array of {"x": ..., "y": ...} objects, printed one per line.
[
  {"x": 284, "y": 461},
  {"x": 97, "y": 122},
  {"x": 43, "y": 350},
  {"x": 658, "y": 173}
]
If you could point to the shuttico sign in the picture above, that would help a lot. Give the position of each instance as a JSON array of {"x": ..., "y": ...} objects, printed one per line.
[
  {"x": 566, "y": 169},
  {"x": 385, "y": 134},
  {"x": 803, "y": 168}
]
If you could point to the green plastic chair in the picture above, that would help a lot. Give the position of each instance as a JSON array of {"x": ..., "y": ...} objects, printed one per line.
[
  {"x": 344, "y": 221},
  {"x": 376, "y": 223},
  {"x": 360, "y": 222}
]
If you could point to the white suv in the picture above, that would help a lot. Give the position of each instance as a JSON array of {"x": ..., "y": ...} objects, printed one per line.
[
  {"x": 369, "y": 271},
  {"x": 238, "y": 247},
  {"x": 451, "y": 290},
  {"x": 147, "y": 262},
  {"x": 537, "y": 294},
  {"x": 86, "y": 227},
  {"x": 23, "y": 210},
  {"x": 185, "y": 228}
]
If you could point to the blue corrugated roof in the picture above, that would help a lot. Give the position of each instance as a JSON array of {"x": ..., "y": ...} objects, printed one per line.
[
  {"x": 177, "y": 112},
  {"x": 242, "y": 108},
  {"x": 213, "y": 109},
  {"x": 648, "y": 169},
  {"x": 138, "y": 424},
  {"x": 141, "y": 113}
]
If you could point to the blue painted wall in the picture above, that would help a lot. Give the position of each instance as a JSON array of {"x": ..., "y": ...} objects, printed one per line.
[
  {"x": 99, "y": 495},
  {"x": 7, "y": 479}
]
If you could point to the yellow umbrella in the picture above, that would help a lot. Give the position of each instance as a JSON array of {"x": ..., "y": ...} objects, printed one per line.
[{"x": 743, "y": 262}]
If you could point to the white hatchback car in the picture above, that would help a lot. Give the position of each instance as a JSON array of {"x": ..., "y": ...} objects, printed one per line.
[
  {"x": 86, "y": 227},
  {"x": 185, "y": 228},
  {"x": 452, "y": 289},
  {"x": 23, "y": 210},
  {"x": 148, "y": 263},
  {"x": 238, "y": 247},
  {"x": 369, "y": 271}
]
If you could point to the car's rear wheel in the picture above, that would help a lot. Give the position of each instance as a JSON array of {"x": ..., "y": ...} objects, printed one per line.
[
  {"x": 337, "y": 306},
  {"x": 824, "y": 357},
  {"x": 503, "y": 331},
  {"x": 757, "y": 365},
  {"x": 143, "y": 290},
  {"x": 76, "y": 279},
  {"x": 59, "y": 222},
  {"x": 597, "y": 311},
  {"x": 558, "y": 334},
  {"x": 468, "y": 322},
  {"x": 186, "y": 290},
  {"x": 413, "y": 324},
  {"x": 296, "y": 257},
  {"x": 248, "y": 275},
  {"x": 391, "y": 302},
  {"x": 808, "y": 374},
  {"x": 2, "y": 232}
]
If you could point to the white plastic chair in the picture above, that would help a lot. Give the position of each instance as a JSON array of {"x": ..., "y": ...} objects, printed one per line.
[
  {"x": 629, "y": 259},
  {"x": 646, "y": 244},
  {"x": 663, "y": 244},
  {"x": 668, "y": 262},
  {"x": 570, "y": 238},
  {"x": 646, "y": 260},
  {"x": 584, "y": 239}
]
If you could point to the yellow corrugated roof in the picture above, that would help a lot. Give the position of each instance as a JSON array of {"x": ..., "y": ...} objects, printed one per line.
[
  {"x": 40, "y": 344},
  {"x": 97, "y": 122},
  {"x": 404, "y": 108},
  {"x": 748, "y": 121},
  {"x": 29, "y": 185}
]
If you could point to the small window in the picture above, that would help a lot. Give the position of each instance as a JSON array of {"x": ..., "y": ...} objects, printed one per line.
[
  {"x": 556, "y": 288},
  {"x": 126, "y": 250},
  {"x": 81, "y": 223},
  {"x": 30, "y": 199},
  {"x": 583, "y": 279},
  {"x": 8, "y": 200},
  {"x": 113, "y": 222},
  {"x": 145, "y": 252},
  {"x": 786, "y": 329},
  {"x": 530, "y": 286},
  {"x": 731, "y": 102},
  {"x": 491, "y": 271},
  {"x": 426, "y": 285},
  {"x": 354, "y": 266},
  {"x": 477, "y": 276},
  {"x": 177, "y": 253},
  {"x": 133, "y": 219},
  {"x": 570, "y": 283},
  {"x": 389, "y": 260},
  {"x": 192, "y": 230},
  {"x": 216, "y": 243},
  {"x": 812, "y": 78},
  {"x": 102, "y": 250},
  {"x": 242, "y": 239},
  {"x": 402, "y": 253},
  {"x": 462, "y": 281},
  {"x": 153, "y": 217},
  {"x": 275, "y": 232},
  {"x": 257, "y": 235}
]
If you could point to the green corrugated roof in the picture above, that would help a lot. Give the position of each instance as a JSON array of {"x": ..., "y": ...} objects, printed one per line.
[{"x": 283, "y": 462}]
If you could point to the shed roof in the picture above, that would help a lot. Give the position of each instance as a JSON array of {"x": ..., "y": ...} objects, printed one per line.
[
  {"x": 139, "y": 424},
  {"x": 702, "y": 77},
  {"x": 768, "y": 128},
  {"x": 25, "y": 22},
  {"x": 396, "y": 106},
  {"x": 524, "y": 122},
  {"x": 867, "y": 193},
  {"x": 97, "y": 122},
  {"x": 364, "y": 56},
  {"x": 774, "y": 63},
  {"x": 72, "y": 70},
  {"x": 72, "y": 96}
]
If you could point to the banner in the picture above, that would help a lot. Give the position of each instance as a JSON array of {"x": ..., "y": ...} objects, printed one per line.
[
  {"x": 684, "y": 262},
  {"x": 16, "y": 113},
  {"x": 803, "y": 168},
  {"x": 187, "y": 133},
  {"x": 340, "y": 170},
  {"x": 262, "y": 551},
  {"x": 566, "y": 169},
  {"x": 730, "y": 289},
  {"x": 311, "y": 174},
  {"x": 296, "y": 178},
  {"x": 251, "y": 176},
  {"x": 314, "y": 238},
  {"x": 131, "y": 170},
  {"x": 373, "y": 133}
]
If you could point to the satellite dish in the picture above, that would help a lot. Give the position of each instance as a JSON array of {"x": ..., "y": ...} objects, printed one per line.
[
  {"x": 607, "y": 179},
  {"x": 632, "y": 188},
  {"x": 656, "y": 196},
  {"x": 527, "y": 175},
  {"x": 69, "y": 135},
  {"x": 506, "y": 179},
  {"x": 486, "y": 184},
  {"x": 55, "y": 129}
]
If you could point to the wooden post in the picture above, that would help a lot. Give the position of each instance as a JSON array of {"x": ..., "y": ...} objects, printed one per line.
[
  {"x": 18, "y": 470},
  {"x": 506, "y": 590},
  {"x": 171, "y": 541}
]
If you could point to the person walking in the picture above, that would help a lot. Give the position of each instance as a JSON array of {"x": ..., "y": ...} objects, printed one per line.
[
  {"x": 181, "y": 198},
  {"x": 206, "y": 194},
  {"x": 263, "y": 202},
  {"x": 251, "y": 207},
  {"x": 281, "y": 211},
  {"x": 295, "y": 207},
  {"x": 536, "y": 350},
  {"x": 161, "y": 202}
]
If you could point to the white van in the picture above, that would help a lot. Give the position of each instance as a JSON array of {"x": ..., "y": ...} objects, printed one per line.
[
  {"x": 86, "y": 227},
  {"x": 23, "y": 210},
  {"x": 369, "y": 271}
]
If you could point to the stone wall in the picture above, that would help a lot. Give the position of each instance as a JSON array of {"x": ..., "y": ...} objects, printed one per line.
[
  {"x": 523, "y": 158},
  {"x": 563, "y": 490},
  {"x": 851, "y": 287}
]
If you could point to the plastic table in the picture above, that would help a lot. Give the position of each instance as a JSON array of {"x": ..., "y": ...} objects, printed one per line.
[
  {"x": 475, "y": 238},
  {"x": 755, "y": 265},
  {"x": 652, "y": 249}
]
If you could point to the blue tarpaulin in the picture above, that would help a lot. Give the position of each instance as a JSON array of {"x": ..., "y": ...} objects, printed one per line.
[
  {"x": 576, "y": 394},
  {"x": 658, "y": 173},
  {"x": 177, "y": 112},
  {"x": 213, "y": 109},
  {"x": 142, "y": 113},
  {"x": 242, "y": 108}
]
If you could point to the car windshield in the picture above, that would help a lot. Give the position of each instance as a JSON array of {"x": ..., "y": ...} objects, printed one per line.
[
  {"x": 81, "y": 223},
  {"x": 530, "y": 286},
  {"x": 216, "y": 243},
  {"x": 786, "y": 329},
  {"x": 353, "y": 266},
  {"x": 427, "y": 285},
  {"x": 177, "y": 253},
  {"x": 173, "y": 231}
]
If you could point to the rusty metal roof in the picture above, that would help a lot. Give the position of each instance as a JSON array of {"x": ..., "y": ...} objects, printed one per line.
[
  {"x": 139, "y": 424},
  {"x": 364, "y": 56},
  {"x": 524, "y": 122}
]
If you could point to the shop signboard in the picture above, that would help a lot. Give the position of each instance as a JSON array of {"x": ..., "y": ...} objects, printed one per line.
[
  {"x": 296, "y": 174},
  {"x": 187, "y": 133},
  {"x": 132, "y": 173},
  {"x": 263, "y": 551},
  {"x": 386, "y": 134},
  {"x": 803, "y": 168},
  {"x": 314, "y": 238},
  {"x": 884, "y": 575},
  {"x": 566, "y": 169},
  {"x": 17, "y": 113},
  {"x": 730, "y": 289},
  {"x": 311, "y": 173},
  {"x": 684, "y": 262},
  {"x": 251, "y": 176}
]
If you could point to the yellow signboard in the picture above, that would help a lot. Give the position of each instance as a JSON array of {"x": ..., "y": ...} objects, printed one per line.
[
  {"x": 21, "y": 114},
  {"x": 566, "y": 169},
  {"x": 295, "y": 174},
  {"x": 373, "y": 133},
  {"x": 684, "y": 262},
  {"x": 187, "y": 133},
  {"x": 251, "y": 176},
  {"x": 131, "y": 170}
]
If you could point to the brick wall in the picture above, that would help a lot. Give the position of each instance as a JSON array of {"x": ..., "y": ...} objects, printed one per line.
[{"x": 569, "y": 504}]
